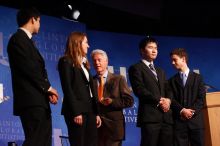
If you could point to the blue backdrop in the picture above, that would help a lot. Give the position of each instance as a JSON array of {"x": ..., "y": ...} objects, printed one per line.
[{"x": 122, "y": 50}]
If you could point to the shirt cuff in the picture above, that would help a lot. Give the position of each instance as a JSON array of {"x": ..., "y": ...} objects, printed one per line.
[
  {"x": 49, "y": 89},
  {"x": 181, "y": 110}
]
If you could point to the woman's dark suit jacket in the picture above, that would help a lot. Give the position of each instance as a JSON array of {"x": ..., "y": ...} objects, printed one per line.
[{"x": 76, "y": 91}]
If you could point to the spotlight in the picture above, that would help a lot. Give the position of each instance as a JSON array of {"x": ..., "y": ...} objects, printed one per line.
[
  {"x": 70, "y": 11},
  {"x": 75, "y": 14},
  {"x": 70, "y": 7}
]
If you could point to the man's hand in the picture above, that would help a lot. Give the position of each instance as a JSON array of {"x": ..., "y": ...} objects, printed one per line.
[
  {"x": 53, "y": 95},
  {"x": 53, "y": 99},
  {"x": 187, "y": 113},
  {"x": 106, "y": 101},
  {"x": 78, "y": 120},
  {"x": 98, "y": 121},
  {"x": 165, "y": 104}
]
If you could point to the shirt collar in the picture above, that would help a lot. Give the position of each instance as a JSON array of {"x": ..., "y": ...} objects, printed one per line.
[
  {"x": 186, "y": 72},
  {"x": 84, "y": 60},
  {"x": 147, "y": 62},
  {"x": 104, "y": 75},
  {"x": 27, "y": 32}
]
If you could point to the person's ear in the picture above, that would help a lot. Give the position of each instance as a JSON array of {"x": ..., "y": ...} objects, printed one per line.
[
  {"x": 141, "y": 51},
  {"x": 184, "y": 58},
  {"x": 32, "y": 20}
]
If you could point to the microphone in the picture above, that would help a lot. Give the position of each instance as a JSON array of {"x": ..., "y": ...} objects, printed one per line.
[{"x": 208, "y": 87}]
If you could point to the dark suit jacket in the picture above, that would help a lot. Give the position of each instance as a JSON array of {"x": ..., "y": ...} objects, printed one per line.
[
  {"x": 77, "y": 99},
  {"x": 112, "y": 116},
  {"x": 191, "y": 96},
  {"x": 149, "y": 90},
  {"x": 29, "y": 77}
]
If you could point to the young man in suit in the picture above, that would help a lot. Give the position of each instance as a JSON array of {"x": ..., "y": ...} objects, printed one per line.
[
  {"x": 151, "y": 88},
  {"x": 188, "y": 99},
  {"x": 114, "y": 95},
  {"x": 31, "y": 87}
]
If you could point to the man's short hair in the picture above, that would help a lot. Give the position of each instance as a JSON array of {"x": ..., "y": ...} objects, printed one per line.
[
  {"x": 145, "y": 41},
  {"x": 181, "y": 52},
  {"x": 24, "y": 15}
]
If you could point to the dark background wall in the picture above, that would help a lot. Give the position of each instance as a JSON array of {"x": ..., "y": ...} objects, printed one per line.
[{"x": 145, "y": 17}]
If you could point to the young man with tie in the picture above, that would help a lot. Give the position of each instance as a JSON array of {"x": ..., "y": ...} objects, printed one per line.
[
  {"x": 188, "y": 99},
  {"x": 151, "y": 88}
]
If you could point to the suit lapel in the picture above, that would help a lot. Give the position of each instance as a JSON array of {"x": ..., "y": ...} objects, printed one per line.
[
  {"x": 36, "y": 50},
  {"x": 108, "y": 84},
  {"x": 178, "y": 80},
  {"x": 83, "y": 74},
  {"x": 189, "y": 79},
  {"x": 91, "y": 84},
  {"x": 160, "y": 81},
  {"x": 95, "y": 80},
  {"x": 149, "y": 72},
  {"x": 33, "y": 48}
]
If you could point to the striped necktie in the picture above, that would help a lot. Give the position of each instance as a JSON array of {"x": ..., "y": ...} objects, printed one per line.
[{"x": 151, "y": 66}]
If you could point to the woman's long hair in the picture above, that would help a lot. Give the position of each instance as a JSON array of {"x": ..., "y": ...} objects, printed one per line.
[{"x": 74, "y": 48}]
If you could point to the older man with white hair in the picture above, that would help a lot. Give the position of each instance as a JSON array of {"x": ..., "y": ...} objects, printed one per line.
[{"x": 113, "y": 95}]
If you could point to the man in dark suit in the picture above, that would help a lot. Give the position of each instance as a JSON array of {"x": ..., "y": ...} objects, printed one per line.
[
  {"x": 113, "y": 97},
  {"x": 150, "y": 86},
  {"x": 31, "y": 87},
  {"x": 188, "y": 99}
]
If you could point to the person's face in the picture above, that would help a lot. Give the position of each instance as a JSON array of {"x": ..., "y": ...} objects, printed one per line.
[
  {"x": 100, "y": 63},
  {"x": 36, "y": 24},
  {"x": 178, "y": 62},
  {"x": 85, "y": 45},
  {"x": 150, "y": 51}
]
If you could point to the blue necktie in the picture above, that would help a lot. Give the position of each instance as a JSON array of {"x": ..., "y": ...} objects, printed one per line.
[{"x": 184, "y": 78}]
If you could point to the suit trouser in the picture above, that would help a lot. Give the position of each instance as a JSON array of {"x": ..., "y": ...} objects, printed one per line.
[
  {"x": 156, "y": 134},
  {"x": 37, "y": 127},
  {"x": 84, "y": 135},
  {"x": 185, "y": 136},
  {"x": 104, "y": 137},
  {"x": 109, "y": 142}
]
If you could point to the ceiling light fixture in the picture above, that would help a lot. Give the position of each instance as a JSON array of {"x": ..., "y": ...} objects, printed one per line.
[{"x": 75, "y": 14}]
